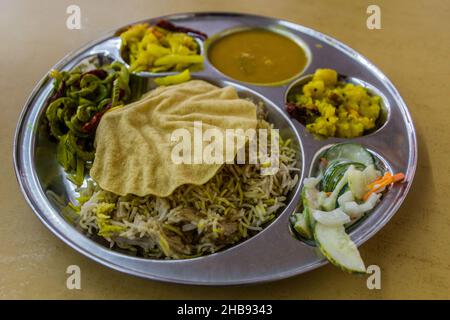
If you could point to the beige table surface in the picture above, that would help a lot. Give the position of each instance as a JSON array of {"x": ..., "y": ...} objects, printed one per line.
[{"x": 413, "y": 49}]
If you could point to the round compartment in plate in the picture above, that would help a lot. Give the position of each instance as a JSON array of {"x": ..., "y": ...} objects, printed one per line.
[
  {"x": 297, "y": 86},
  {"x": 259, "y": 56},
  {"x": 123, "y": 50},
  {"x": 380, "y": 163}
]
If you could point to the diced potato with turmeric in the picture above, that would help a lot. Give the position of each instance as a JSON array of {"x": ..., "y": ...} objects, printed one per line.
[
  {"x": 336, "y": 108},
  {"x": 328, "y": 76},
  {"x": 323, "y": 126},
  {"x": 372, "y": 111},
  {"x": 325, "y": 109},
  {"x": 314, "y": 89},
  {"x": 355, "y": 93}
]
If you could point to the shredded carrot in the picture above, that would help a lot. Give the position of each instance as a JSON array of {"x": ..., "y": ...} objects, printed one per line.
[
  {"x": 380, "y": 183},
  {"x": 398, "y": 177},
  {"x": 379, "y": 179}
]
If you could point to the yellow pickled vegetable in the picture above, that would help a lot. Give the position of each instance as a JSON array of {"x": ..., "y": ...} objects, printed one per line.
[
  {"x": 174, "y": 79},
  {"x": 333, "y": 108},
  {"x": 154, "y": 49}
]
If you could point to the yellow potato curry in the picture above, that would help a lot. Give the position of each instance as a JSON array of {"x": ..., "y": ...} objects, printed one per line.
[{"x": 332, "y": 108}]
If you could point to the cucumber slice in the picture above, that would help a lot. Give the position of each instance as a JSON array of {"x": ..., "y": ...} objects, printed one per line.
[
  {"x": 309, "y": 199},
  {"x": 331, "y": 201},
  {"x": 337, "y": 217},
  {"x": 357, "y": 183},
  {"x": 326, "y": 183},
  {"x": 335, "y": 172},
  {"x": 350, "y": 151},
  {"x": 370, "y": 174},
  {"x": 302, "y": 225},
  {"x": 339, "y": 172},
  {"x": 343, "y": 190},
  {"x": 338, "y": 248},
  {"x": 356, "y": 211},
  {"x": 345, "y": 197}
]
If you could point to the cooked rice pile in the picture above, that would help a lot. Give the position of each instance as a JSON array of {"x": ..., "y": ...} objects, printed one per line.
[{"x": 195, "y": 220}]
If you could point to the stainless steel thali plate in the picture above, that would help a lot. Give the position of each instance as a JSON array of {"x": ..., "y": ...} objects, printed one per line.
[{"x": 272, "y": 254}]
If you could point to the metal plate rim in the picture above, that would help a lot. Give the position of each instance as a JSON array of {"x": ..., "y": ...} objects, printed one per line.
[{"x": 25, "y": 187}]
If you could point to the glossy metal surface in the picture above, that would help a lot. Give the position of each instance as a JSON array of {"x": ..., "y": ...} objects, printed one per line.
[{"x": 273, "y": 253}]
